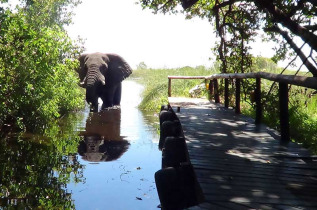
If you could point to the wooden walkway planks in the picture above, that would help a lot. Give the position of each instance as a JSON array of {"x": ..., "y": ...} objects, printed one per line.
[{"x": 242, "y": 166}]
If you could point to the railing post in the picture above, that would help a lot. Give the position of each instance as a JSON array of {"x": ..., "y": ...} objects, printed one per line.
[
  {"x": 284, "y": 117},
  {"x": 238, "y": 90},
  {"x": 211, "y": 88},
  {"x": 227, "y": 93},
  {"x": 216, "y": 90},
  {"x": 169, "y": 87},
  {"x": 258, "y": 104}
]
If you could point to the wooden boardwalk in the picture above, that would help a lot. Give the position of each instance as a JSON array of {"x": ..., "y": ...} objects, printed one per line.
[{"x": 242, "y": 166}]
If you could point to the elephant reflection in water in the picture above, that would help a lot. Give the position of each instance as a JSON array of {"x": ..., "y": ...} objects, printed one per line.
[{"x": 102, "y": 140}]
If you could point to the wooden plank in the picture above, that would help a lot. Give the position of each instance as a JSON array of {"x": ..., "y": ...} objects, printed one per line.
[
  {"x": 226, "y": 93},
  {"x": 238, "y": 93},
  {"x": 284, "y": 116},
  {"x": 216, "y": 91},
  {"x": 239, "y": 165},
  {"x": 258, "y": 102},
  {"x": 169, "y": 92}
]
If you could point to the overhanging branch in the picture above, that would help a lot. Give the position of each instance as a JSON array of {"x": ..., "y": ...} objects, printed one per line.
[
  {"x": 298, "y": 51},
  {"x": 307, "y": 36}
]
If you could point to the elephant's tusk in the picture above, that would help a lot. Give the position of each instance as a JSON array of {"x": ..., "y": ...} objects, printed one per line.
[
  {"x": 103, "y": 82},
  {"x": 82, "y": 84}
]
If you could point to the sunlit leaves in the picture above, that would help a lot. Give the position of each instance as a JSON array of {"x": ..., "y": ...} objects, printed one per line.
[{"x": 37, "y": 62}]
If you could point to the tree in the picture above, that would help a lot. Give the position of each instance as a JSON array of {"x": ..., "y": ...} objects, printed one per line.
[
  {"x": 238, "y": 22},
  {"x": 37, "y": 62}
]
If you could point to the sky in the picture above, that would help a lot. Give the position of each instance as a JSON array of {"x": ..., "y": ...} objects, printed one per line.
[
  {"x": 122, "y": 27},
  {"x": 158, "y": 40}
]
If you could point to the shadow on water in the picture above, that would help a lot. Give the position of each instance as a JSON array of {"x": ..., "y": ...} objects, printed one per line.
[{"x": 104, "y": 160}]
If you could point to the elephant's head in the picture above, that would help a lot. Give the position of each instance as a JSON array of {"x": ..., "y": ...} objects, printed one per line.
[{"x": 98, "y": 71}]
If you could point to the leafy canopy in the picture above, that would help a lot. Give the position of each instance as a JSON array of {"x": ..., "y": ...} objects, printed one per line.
[{"x": 238, "y": 22}]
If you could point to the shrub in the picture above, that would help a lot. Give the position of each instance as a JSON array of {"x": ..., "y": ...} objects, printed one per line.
[{"x": 37, "y": 77}]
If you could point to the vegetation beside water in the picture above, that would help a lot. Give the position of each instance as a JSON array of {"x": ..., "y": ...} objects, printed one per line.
[
  {"x": 302, "y": 105},
  {"x": 156, "y": 84},
  {"x": 38, "y": 83}
]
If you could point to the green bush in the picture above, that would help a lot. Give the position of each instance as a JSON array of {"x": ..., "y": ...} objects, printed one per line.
[{"x": 37, "y": 77}]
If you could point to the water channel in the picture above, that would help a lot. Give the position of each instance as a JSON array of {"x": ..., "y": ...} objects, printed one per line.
[{"x": 104, "y": 160}]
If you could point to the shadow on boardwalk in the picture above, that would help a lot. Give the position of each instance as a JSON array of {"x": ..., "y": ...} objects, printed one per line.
[{"x": 242, "y": 166}]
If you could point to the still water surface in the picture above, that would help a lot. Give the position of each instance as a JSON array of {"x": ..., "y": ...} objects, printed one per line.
[{"x": 104, "y": 160}]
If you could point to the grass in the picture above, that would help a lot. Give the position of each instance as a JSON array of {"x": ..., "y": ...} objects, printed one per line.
[{"x": 156, "y": 84}]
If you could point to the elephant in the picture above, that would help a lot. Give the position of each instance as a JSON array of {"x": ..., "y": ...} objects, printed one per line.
[{"x": 101, "y": 74}]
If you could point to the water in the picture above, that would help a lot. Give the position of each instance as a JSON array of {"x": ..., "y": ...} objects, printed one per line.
[{"x": 104, "y": 160}]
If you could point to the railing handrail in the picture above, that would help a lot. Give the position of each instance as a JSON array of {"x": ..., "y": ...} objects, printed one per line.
[
  {"x": 309, "y": 82},
  {"x": 283, "y": 80}
]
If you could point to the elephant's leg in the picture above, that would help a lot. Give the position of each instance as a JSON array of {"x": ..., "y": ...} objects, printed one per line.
[
  {"x": 107, "y": 97},
  {"x": 117, "y": 95},
  {"x": 94, "y": 107}
]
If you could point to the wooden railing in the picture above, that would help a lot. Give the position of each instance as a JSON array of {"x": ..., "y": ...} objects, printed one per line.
[{"x": 283, "y": 81}]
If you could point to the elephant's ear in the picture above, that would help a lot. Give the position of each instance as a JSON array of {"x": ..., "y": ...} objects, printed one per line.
[
  {"x": 81, "y": 70},
  {"x": 118, "y": 69}
]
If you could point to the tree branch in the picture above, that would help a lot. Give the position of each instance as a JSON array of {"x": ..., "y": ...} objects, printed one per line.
[
  {"x": 307, "y": 36},
  {"x": 299, "y": 6},
  {"x": 224, "y": 4},
  {"x": 297, "y": 50},
  {"x": 311, "y": 27}
]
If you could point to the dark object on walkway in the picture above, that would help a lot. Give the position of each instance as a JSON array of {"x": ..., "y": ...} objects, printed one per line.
[
  {"x": 169, "y": 125},
  {"x": 177, "y": 187},
  {"x": 169, "y": 128},
  {"x": 167, "y": 115},
  {"x": 165, "y": 107},
  {"x": 174, "y": 152}
]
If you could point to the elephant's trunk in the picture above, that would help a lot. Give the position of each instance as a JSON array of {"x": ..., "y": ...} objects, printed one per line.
[
  {"x": 92, "y": 98},
  {"x": 94, "y": 82},
  {"x": 95, "y": 77}
]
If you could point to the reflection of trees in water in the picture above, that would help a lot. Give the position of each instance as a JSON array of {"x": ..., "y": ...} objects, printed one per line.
[
  {"x": 102, "y": 140},
  {"x": 34, "y": 175},
  {"x": 35, "y": 170}
]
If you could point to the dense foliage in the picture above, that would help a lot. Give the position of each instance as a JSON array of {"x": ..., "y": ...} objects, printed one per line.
[{"x": 37, "y": 62}]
